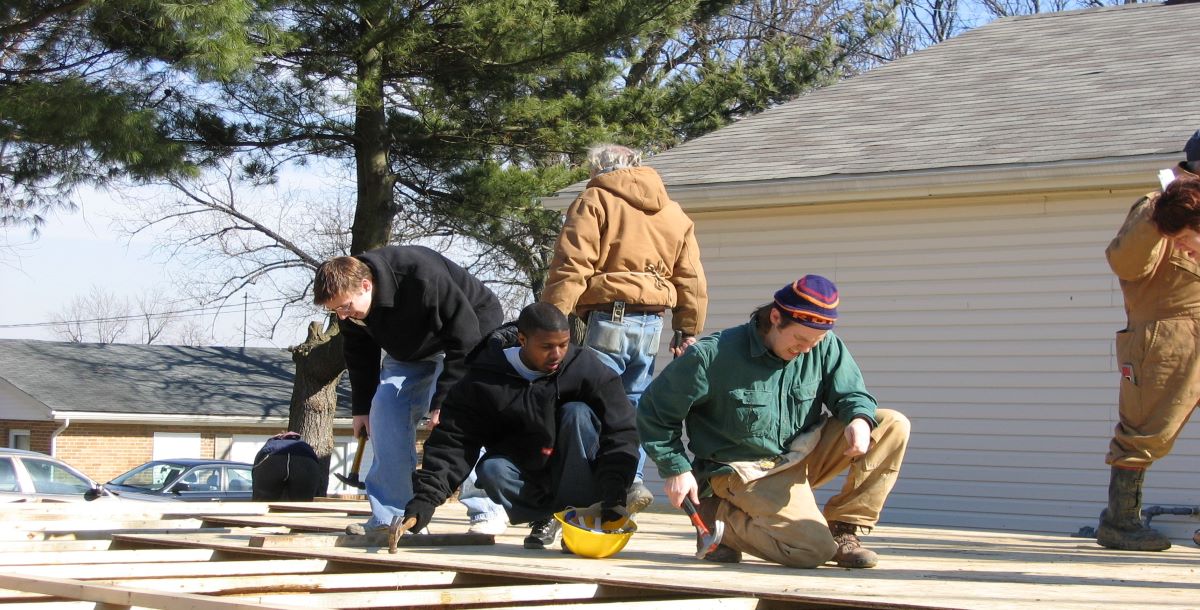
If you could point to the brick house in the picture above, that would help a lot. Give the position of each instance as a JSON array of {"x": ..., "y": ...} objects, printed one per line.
[{"x": 105, "y": 408}]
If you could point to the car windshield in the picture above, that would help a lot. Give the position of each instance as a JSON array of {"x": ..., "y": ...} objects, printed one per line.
[{"x": 152, "y": 476}]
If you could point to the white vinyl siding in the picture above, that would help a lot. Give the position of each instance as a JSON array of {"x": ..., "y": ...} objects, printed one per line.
[{"x": 989, "y": 323}]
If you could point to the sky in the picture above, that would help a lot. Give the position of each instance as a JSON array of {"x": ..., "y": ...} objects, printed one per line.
[{"x": 76, "y": 250}]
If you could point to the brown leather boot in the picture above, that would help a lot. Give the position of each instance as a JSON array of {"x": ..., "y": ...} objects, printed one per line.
[
  {"x": 850, "y": 552},
  {"x": 1121, "y": 525},
  {"x": 708, "y": 514}
]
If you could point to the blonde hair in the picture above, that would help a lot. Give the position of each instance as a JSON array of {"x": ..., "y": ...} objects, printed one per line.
[
  {"x": 607, "y": 157},
  {"x": 338, "y": 276}
]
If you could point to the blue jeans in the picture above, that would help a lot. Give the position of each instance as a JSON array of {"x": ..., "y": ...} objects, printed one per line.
[
  {"x": 567, "y": 481},
  {"x": 401, "y": 400},
  {"x": 479, "y": 506},
  {"x": 629, "y": 349}
]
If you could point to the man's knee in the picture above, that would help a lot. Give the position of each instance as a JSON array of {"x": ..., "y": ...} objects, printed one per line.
[
  {"x": 893, "y": 423},
  {"x": 578, "y": 416},
  {"x": 489, "y": 473}
]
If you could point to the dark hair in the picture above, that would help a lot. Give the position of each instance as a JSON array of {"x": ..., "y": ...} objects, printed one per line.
[
  {"x": 1178, "y": 207},
  {"x": 762, "y": 316},
  {"x": 541, "y": 317}
]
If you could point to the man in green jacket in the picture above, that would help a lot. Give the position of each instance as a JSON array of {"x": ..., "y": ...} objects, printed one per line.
[{"x": 751, "y": 398}]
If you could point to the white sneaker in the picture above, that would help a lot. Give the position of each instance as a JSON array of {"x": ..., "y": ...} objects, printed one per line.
[{"x": 494, "y": 526}]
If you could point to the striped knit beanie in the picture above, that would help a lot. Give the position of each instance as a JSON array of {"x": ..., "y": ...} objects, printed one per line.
[{"x": 811, "y": 300}]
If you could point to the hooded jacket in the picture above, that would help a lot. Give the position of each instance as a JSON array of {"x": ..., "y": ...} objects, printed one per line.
[
  {"x": 625, "y": 239},
  {"x": 422, "y": 304},
  {"x": 495, "y": 407}
]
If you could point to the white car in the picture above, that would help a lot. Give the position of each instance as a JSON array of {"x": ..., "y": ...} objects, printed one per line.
[{"x": 27, "y": 476}]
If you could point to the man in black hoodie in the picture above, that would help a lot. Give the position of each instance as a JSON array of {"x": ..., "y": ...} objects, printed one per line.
[
  {"x": 557, "y": 425},
  {"x": 422, "y": 313}
]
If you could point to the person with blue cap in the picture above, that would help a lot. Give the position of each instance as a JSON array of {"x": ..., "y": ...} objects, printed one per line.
[{"x": 752, "y": 401}]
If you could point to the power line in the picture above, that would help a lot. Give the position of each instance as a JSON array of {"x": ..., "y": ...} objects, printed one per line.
[{"x": 182, "y": 313}]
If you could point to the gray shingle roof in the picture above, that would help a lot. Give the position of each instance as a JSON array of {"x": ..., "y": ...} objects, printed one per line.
[
  {"x": 154, "y": 379},
  {"x": 1078, "y": 85}
]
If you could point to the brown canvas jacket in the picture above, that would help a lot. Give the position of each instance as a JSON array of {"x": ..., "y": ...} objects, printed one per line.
[
  {"x": 625, "y": 239},
  {"x": 1157, "y": 281}
]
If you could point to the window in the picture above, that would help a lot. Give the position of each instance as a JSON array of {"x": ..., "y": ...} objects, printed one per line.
[
  {"x": 8, "y": 475},
  {"x": 50, "y": 478},
  {"x": 18, "y": 439}
]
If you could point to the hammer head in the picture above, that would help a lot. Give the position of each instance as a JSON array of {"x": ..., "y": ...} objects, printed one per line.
[
  {"x": 708, "y": 539},
  {"x": 352, "y": 480}
]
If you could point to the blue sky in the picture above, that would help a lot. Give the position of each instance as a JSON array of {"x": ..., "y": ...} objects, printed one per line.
[{"x": 81, "y": 249}]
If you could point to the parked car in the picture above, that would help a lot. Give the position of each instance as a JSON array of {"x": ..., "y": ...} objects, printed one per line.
[
  {"x": 190, "y": 480},
  {"x": 30, "y": 476}
]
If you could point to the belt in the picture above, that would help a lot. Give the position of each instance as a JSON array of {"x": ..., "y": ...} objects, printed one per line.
[{"x": 620, "y": 308}]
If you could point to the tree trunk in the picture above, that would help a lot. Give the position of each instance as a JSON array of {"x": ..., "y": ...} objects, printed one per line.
[
  {"x": 375, "y": 205},
  {"x": 319, "y": 366}
]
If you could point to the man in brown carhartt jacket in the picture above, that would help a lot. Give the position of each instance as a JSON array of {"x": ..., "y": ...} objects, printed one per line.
[
  {"x": 626, "y": 253},
  {"x": 1154, "y": 256}
]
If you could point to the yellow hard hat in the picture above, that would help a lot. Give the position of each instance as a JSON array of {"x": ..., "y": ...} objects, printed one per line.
[{"x": 584, "y": 534}]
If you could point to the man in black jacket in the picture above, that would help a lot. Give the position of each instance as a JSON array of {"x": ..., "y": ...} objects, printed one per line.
[
  {"x": 557, "y": 425},
  {"x": 423, "y": 314}
]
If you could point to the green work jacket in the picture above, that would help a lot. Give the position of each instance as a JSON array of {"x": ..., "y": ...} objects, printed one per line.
[{"x": 739, "y": 401}]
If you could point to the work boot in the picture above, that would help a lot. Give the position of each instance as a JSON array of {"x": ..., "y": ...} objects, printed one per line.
[
  {"x": 850, "y": 552},
  {"x": 1121, "y": 525},
  {"x": 708, "y": 515},
  {"x": 542, "y": 533},
  {"x": 362, "y": 529},
  {"x": 638, "y": 498}
]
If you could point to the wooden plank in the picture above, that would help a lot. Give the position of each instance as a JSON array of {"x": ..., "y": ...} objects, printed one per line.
[
  {"x": 302, "y": 522},
  {"x": 98, "y": 524},
  {"x": 105, "y": 557},
  {"x": 326, "y": 505},
  {"x": 121, "y": 597},
  {"x": 296, "y": 583},
  {"x": 370, "y": 540},
  {"x": 439, "y": 598},
  {"x": 695, "y": 603},
  {"x": 24, "y": 546},
  {"x": 155, "y": 570}
]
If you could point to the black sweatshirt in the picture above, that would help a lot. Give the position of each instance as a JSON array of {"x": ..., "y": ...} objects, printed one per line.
[
  {"x": 495, "y": 407},
  {"x": 422, "y": 304}
]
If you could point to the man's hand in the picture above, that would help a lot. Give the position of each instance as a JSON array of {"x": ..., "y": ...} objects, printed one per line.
[
  {"x": 421, "y": 511},
  {"x": 435, "y": 417},
  {"x": 362, "y": 426},
  {"x": 858, "y": 436},
  {"x": 677, "y": 349},
  {"x": 681, "y": 485}
]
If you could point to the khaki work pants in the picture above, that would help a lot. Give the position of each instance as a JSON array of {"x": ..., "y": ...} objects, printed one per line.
[
  {"x": 776, "y": 517},
  {"x": 1160, "y": 386}
]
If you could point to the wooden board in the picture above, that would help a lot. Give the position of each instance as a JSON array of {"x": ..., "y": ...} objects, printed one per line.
[{"x": 920, "y": 568}]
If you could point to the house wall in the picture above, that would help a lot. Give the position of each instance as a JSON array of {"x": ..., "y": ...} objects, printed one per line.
[
  {"x": 104, "y": 450},
  {"x": 17, "y": 405},
  {"x": 989, "y": 322},
  {"x": 40, "y": 432}
]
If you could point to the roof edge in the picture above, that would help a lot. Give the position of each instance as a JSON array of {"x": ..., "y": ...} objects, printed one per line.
[
  {"x": 1089, "y": 174},
  {"x": 191, "y": 420}
]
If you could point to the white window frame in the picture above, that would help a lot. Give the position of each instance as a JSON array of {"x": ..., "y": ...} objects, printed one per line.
[{"x": 13, "y": 435}]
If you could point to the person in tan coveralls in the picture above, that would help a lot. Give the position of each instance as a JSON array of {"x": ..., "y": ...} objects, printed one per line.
[
  {"x": 1154, "y": 256},
  {"x": 627, "y": 253}
]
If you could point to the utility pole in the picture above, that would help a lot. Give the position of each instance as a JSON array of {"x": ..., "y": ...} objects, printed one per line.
[{"x": 245, "y": 304}]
